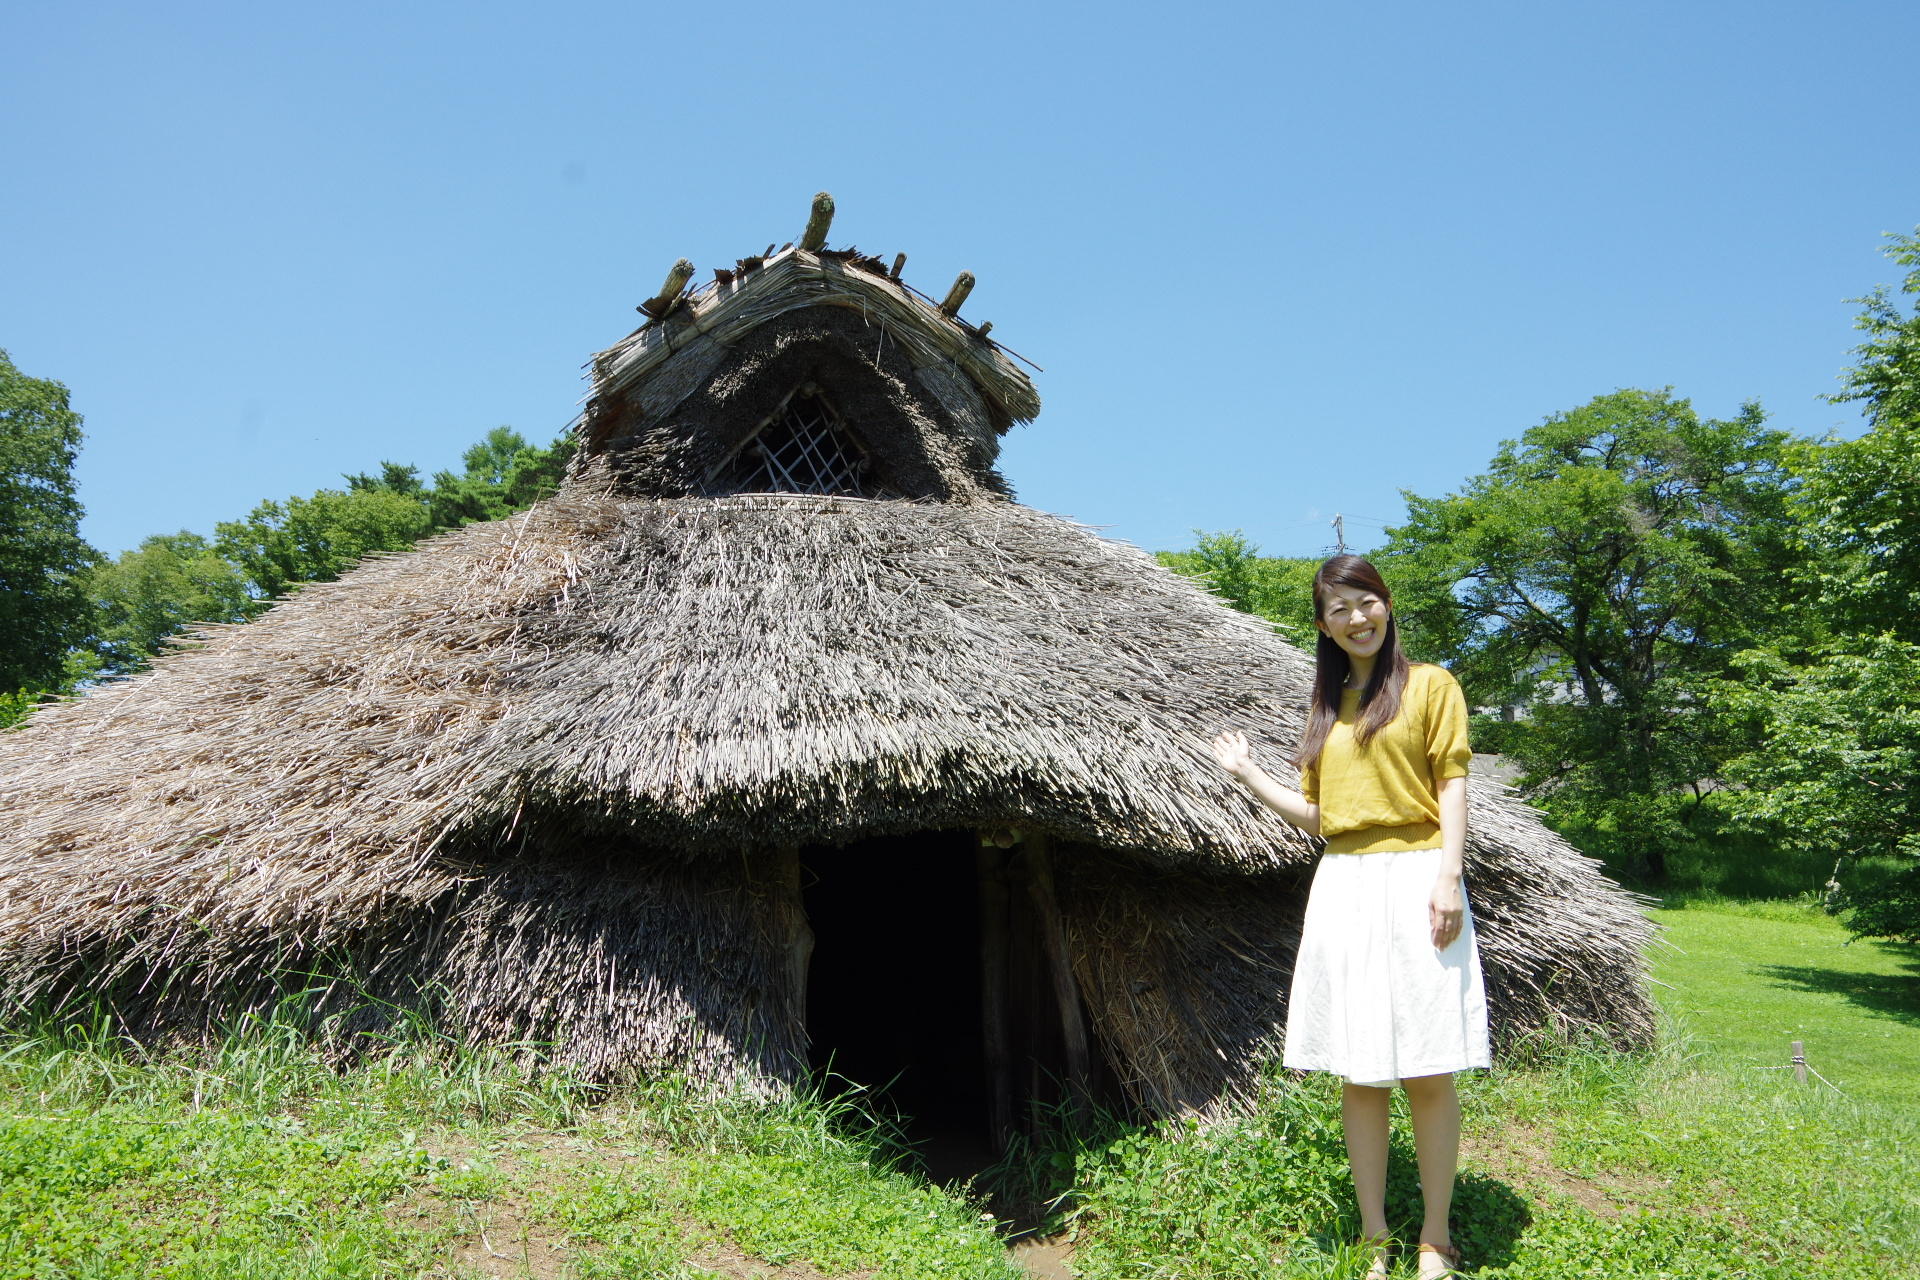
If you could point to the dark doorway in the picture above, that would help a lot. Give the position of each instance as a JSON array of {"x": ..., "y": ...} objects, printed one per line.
[
  {"x": 939, "y": 982},
  {"x": 893, "y": 990}
]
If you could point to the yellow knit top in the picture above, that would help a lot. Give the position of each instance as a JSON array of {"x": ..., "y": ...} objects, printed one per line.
[{"x": 1384, "y": 797}]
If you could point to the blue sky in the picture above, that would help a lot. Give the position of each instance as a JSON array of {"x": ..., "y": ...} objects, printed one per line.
[{"x": 1278, "y": 261}]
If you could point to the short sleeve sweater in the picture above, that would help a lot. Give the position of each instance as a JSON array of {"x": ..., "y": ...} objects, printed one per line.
[{"x": 1384, "y": 797}]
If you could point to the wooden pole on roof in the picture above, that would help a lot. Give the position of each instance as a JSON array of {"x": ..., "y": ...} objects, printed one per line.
[
  {"x": 814, "y": 238},
  {"x": 677, "y": 277},
  {"x": 962, "y": 286}
]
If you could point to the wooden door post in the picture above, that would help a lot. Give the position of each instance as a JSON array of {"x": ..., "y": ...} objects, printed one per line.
[
  {"x": 793, "y": 934},
  {"x": 1059, "y": 954}
]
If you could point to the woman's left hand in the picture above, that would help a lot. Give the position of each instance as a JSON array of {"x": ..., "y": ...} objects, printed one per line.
[{"x": 1446, "y": 911}]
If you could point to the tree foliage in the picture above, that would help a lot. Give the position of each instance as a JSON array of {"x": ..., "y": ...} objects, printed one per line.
[
  {"x": 1862, "y": 499},
  {"x": 1833, "y": 771},
  {"x": 317, "y": 538},
  {"x": 1602, "y": 570},
  {"x": 169, "y": 582},
  {"x": 1277, "y": 588},
  {"x": 281, "y": 545},
  {"x": 43, "y": 606},
  {"x": 1834, "y": 767},
  {"x": 144, "y": 596},
  {"x": 503, "y": 474}
]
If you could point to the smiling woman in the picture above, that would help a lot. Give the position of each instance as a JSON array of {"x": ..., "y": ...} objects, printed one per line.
[{"x": 1387, "y": 987}]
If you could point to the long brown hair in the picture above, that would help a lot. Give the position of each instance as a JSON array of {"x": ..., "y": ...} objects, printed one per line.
[{"x": 1380, "y": 700}]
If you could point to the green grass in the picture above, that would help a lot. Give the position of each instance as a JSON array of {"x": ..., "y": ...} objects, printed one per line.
[
  {"x": 1687, "y": 1162},
  {"x": 257, "y": 1161},
  {"x": 1745, "y": 980},
  {"x": 1586, "y": 1164}
]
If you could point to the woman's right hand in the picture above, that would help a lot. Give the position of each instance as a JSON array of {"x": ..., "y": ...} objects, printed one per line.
[
  {"x": 1236, "y": 757},
  {"x": 1234, "y": 754}
]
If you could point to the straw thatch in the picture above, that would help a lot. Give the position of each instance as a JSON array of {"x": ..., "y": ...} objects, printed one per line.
[{"x": 544, "y": 778}]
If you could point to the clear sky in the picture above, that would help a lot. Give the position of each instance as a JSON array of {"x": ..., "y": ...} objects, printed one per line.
[{"x": 1278, "y": 260}]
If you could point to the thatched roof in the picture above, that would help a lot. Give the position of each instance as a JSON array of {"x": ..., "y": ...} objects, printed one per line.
[
  {"x": 674, "y": 398},
  {"x": 402, "y": 769}
]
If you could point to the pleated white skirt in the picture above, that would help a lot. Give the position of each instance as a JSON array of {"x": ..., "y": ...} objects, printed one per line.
[{"x": 1372, "y": 999}]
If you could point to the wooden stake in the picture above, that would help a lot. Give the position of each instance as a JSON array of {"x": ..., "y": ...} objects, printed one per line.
[
  {"x": 1800, "y": 1061},
  {"x": 996, "y": 1026},
  {"x": 662, "y": 302},
  {"x": 962, "y": 286},
  {"x": 814, "y": 238},
  {"x": 1066, "y": 992}
]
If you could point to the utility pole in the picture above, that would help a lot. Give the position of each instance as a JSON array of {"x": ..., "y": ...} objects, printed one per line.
[{"x": 1339, "y": 533}]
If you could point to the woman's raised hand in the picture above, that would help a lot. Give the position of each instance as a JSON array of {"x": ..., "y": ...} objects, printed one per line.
[{"x": 1233, "y": 753}]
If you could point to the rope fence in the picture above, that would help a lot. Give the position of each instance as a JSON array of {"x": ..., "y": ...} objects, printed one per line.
[{"x": 1799, "y": 1066}]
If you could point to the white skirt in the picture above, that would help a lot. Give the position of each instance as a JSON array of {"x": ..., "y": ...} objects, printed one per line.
[{"x": 1373, "y": 1000}]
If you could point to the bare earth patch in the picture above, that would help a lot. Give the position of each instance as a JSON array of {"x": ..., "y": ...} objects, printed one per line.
[
  {"x": 1048, "y": 1257},
  {"x": 506, "y": 1245},
  {"x": 1524, "y": 1155},
  {"x": 725, "y": 1259}
]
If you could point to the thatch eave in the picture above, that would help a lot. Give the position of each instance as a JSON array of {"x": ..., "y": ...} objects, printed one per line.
[{"x": 695, "y": 671}]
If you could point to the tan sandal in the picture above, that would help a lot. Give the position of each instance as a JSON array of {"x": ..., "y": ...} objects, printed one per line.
[
  {"x": 1382, "y": 1264},
  {"x": 1448, "y": 1256}
]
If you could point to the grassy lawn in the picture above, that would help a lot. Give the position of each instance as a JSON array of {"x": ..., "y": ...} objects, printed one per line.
[
  {"x": 256, "y": 1161},
  {"x": 1688, "y": 1162},
  {"x": 1744, "y": 980}
]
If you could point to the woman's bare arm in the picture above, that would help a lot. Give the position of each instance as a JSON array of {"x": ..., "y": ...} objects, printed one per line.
[
  {"x": 1446, "y": 911},
  {"x": 1236, "y": 757}
]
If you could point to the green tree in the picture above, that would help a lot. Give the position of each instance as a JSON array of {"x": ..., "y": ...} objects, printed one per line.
[
  {"x": 1277, "y": 588},
  {"x": 280, "y": 546},
  {"x": 393, "y": 477},
  {"x": 43, "y": 560},
  {"x": 1862, "y": 498},
  {"x": 1833, "y": 773},
  {"x": 504, "y": 474},
  {"x": 173, "y": 580},
  {"x": 314, "y": 539},
  {"x": 1605, "y": 568},
  {"x": 146, "y": 595}
]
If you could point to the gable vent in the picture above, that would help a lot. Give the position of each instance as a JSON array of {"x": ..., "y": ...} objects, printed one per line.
[{"x": 800, "y": 449}]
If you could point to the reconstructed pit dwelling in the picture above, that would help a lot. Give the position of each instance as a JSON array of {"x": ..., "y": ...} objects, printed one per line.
[{"x": 781, "y": 735}]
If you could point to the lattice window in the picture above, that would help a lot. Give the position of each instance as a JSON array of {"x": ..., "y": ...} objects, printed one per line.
[{"x": 800, "y": 449}]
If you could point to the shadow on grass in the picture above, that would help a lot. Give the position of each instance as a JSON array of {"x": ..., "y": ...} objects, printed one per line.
[
  {"x": 1489, "y": 1217},
  {"x": 1892, "y": 995}
]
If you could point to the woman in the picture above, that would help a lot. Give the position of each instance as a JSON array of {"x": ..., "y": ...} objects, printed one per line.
[{"x": 1386, "y": 988}]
